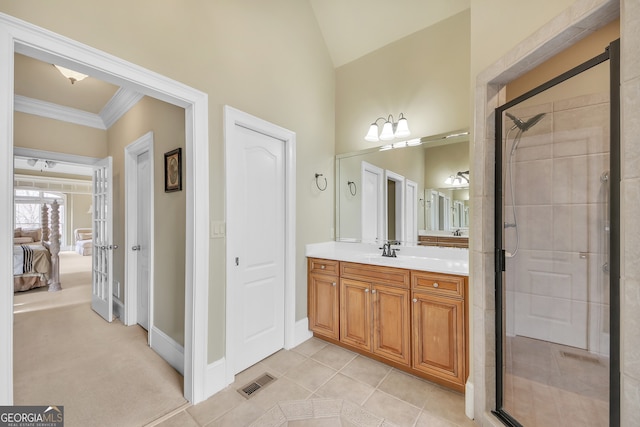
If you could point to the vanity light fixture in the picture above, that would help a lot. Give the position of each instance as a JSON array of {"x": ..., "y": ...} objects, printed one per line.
[
  {"x": 390, "y": 129},
  {"x": 460, "y": 178},
  {"x": 73, "y": 76}
]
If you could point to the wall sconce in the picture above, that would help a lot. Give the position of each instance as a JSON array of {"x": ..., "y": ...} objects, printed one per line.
[
  {"x": 390, "y": 129},
  {"x": 74, "y": 76},
  {"x": 460, "y": 178}
]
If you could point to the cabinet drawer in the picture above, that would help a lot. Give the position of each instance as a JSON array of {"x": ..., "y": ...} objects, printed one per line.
[
  {"x": 376, "y": 274},
  {"x": 323, "y": 266},
  {"x": 441, "y": 284}
]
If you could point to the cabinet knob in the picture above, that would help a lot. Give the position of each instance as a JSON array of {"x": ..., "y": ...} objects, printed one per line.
[
  {"x": 366, "y": 291},
  {"x": 322, "y": 267},
  {"x": 415, "y": 300},
  {"x": 373, "y": 291},
  {"x": 435, "y": 285},
  {"x": 333, "y": 284}
]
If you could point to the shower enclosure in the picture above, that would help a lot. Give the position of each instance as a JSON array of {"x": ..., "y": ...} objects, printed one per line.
[{"x": 557, "y": 198}]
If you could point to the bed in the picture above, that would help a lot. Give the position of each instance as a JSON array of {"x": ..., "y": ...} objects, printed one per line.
[
  {"x": 35, "y": 254},
  {"x": 84, "y": 241}
]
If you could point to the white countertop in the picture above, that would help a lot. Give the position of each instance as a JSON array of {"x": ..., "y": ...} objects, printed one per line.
[{"x": 425, "y": 258}]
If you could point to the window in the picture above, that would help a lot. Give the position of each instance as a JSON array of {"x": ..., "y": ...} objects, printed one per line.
[{"x": 28, "y": 211}]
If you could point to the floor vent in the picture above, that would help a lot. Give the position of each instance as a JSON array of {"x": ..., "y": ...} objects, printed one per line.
[
  {"x": 582, "y": 358},
  {"x": 256, "y": 385}
]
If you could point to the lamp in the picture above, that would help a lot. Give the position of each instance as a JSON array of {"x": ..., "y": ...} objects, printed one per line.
[
  {"x": 390, "y": 129},
  {"x": 74, "y": 76},
  {"x": 458, "y": 179}
]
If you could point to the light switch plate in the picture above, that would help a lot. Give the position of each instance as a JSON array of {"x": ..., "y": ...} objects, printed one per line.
[{"x": 217, "y": 229}]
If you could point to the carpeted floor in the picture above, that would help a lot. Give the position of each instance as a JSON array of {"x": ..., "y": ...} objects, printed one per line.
[
  {"x": 104, "y": 374},
  {"x": 75, "y": 279}
]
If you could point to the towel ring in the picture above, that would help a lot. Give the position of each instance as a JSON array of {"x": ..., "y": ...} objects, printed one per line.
[
  {"x": 352, "y": 188},
  {"x": 318, "y": 175}
]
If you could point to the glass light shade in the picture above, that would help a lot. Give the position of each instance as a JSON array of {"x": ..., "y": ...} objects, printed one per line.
[
  {"x": 387, "y": 132},
  {"x": 74, "y": 76},
  {"x": 449, "y": 180},
  {"x": 402, "y": 131},
  {"x": 372, "y": 135}
]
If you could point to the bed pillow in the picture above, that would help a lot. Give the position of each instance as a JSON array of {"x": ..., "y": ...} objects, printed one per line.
[
  {"x": 34, "y": 234},
  {"x": 17, "y": 232},
  {"x": 22, "y": 240},
  {"x": 85, "y": 236}
]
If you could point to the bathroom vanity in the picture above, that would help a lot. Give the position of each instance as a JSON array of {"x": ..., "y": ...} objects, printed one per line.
[{"x": 410, "y": 312}]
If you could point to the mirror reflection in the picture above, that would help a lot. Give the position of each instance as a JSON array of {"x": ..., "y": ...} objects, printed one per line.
[{"x": 417, "y": 188}]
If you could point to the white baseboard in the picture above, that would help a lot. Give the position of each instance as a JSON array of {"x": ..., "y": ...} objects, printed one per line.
[
  {"x": 468, "y": 400},
  {"x": 168, "y": 349},
  {"x": 301, "y": 332},
  {"x": 215, "y": 377},
  {"x": 118, "y": 309}
]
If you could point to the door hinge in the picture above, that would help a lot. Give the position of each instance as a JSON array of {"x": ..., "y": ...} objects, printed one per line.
[{"x": 237, "y": 261}]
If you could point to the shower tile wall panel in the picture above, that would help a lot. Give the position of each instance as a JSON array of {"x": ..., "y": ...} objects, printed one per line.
[{"x": 561, "y": 207}]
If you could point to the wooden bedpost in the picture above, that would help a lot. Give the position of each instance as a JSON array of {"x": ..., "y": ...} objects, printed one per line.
[
  {"x": 54, "y": 247},
  {"x": 45, "y": 223}
]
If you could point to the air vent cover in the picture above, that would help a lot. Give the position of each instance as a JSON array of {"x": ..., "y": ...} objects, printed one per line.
[{"x": 256, "y": 385}]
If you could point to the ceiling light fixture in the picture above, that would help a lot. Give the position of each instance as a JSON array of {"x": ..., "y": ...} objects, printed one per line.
[
  {"x": 390, "y": 129},
  {"x": 74, "y": 76},
  {"x": 32, "y": 162}
]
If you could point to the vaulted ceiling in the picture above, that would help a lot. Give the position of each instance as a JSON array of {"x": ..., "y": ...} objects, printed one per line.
[{"x": 351, "y": 29}]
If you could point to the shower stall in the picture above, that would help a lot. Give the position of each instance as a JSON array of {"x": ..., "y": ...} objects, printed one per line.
[{"x": 556, "y": 208}]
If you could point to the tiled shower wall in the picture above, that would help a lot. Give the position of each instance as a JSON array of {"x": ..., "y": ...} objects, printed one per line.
[{"x": 557, "y": 287}]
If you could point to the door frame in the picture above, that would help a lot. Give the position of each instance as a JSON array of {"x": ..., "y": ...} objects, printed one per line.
[
  {"x": 17, "y": 36},
  {"x": 132, "y": 151},
  {"x": 232, "y": 118}
]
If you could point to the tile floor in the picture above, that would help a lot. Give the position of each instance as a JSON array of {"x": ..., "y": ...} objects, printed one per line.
[
  {"x": 547, "y": 382},
  {"x": 319, "y": 384}
]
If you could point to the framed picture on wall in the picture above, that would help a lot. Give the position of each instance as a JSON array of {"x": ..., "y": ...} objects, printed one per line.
[{"x": 173, "y": 170}]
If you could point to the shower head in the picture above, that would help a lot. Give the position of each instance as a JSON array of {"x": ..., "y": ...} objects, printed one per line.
[{"x": 522, "y": 125}]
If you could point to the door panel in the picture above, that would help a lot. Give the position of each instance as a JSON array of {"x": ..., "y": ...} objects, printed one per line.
[
  {"x": 102, "y": 286},
  {"x": 324, "y": 309},
  {"x": 143, "y": 238},
  {"x": 259, "y": 199},
  {"x": 391, "y": 334},
  {"x": 355, "y": 313}
]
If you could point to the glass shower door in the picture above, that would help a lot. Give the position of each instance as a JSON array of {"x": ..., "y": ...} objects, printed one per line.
[{"x": 554, "y": 235}]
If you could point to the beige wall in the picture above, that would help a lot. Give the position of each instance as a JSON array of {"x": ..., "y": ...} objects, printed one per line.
[
  {"x": 59, "y": 137},
  {"x": 168, "y": 125},
  {"x": 423, "y": 76},
  {"x": 265, "y": 58},
  {"x": 441, "y": 162},
  {"x": 573, "y": 56}
]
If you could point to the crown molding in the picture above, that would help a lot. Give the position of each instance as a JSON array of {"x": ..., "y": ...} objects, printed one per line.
[
  {"x": 53, "y": 111},
  {"x": 121, "y": 102}
]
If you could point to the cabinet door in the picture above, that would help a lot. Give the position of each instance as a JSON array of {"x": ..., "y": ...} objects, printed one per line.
[
  {"x": 438, "y": 337},
  {"x": 324, "y": 309},
  {"x": 391, "y": 319},
  {"x": 355, "y": 313}
]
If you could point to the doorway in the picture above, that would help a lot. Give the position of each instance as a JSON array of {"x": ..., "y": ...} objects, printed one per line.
[
  {"x": 22, "y": 37},
  {"x": 557, "y": 224}
]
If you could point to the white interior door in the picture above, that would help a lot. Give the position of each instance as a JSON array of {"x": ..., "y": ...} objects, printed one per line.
[
  {"x": 142, "y": 246},
  {"x": 102, "y": 286},
  {"x": 411, "y": 212},
  {"x": 372, "y": 207},
  {"x": 256, "y": 239}
]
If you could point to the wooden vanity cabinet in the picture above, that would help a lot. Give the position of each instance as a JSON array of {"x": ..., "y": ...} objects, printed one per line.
[
  {"x": 413, "y": 320},
  {"x": 323, "y": 300},
  {"x": 375, "y": 310},
  {"x": 439, "y": 318}
]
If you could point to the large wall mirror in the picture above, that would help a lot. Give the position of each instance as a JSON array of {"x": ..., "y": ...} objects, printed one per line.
[{"x": 397, "y": 192}]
